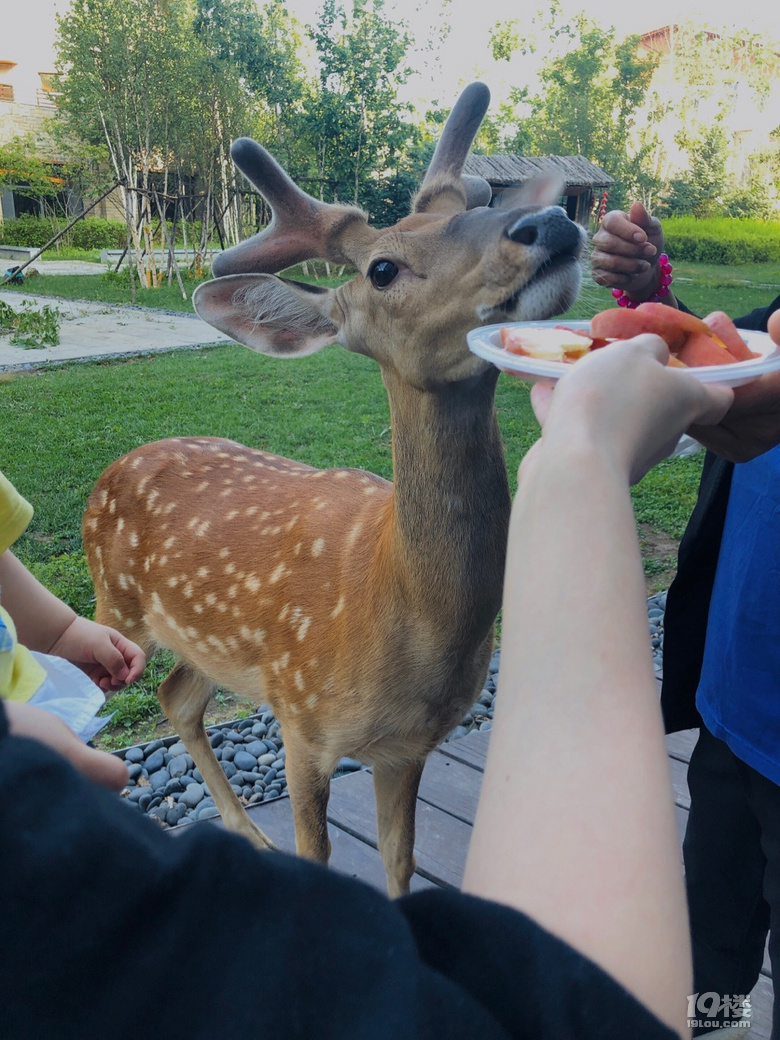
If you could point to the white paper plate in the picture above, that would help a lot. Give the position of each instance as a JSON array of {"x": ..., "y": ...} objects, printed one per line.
[{"x": 485, "y": 342}]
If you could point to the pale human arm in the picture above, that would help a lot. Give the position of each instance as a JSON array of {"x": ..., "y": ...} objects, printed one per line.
[
  {"x": 46, "y": 624},
  {"x": 625, "y": 252},
  {"x": 575, "y": 825}
]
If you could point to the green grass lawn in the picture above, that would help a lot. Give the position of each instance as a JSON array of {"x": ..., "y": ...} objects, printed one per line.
[{"x": 61, "y": 427}]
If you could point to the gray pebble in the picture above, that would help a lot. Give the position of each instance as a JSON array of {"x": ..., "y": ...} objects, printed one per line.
[
  {"x": 243, "y": 760},
  {"x": 192, "y": 796},
  {"x": 154, "y": 762}
]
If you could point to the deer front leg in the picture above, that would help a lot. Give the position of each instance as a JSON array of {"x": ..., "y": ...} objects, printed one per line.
[
  {"x": 309, "y": 789},
  {"x": 395, "y": 788},
  {"x": 184, "y": 696}
]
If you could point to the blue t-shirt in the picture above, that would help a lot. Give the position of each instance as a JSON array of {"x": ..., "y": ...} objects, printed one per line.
[{"x": 739, "y": 689}]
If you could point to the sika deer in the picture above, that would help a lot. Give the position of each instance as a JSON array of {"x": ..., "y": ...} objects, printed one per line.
[{"x": 361, "y": 611}]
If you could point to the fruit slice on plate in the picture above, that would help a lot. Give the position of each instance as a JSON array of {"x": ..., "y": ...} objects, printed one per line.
[
  {"x": 671, "y": 325},
  {"x": 546, "y": 344},
  {"x": 725, "y": 329}
]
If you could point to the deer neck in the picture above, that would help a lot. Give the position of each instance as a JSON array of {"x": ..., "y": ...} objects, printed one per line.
[{"x": 450, "y": 505}]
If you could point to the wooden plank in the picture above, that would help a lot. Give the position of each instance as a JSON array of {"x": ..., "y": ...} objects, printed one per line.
[
  {"x": 451, "y": 786},
  {"x": 349, "y": 855},
  {"x": 441, "y": 840},
  {"x": 471, "y": 749},
  {"x": 680, "y": 745}
]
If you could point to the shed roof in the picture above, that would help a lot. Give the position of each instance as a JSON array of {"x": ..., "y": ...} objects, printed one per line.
[{"x": 503, "y": 170}]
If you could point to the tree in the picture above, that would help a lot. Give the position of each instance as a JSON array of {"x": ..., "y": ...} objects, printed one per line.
[
  {"x": 355, "y": 122},
  {"x": 29, "y": 176}
]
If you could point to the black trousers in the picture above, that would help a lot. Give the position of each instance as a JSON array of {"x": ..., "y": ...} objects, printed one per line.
[{"x": 732, "y": 869}]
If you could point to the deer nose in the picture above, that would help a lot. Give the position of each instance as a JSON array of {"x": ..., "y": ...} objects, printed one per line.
[{"x": 550, "y": 228}]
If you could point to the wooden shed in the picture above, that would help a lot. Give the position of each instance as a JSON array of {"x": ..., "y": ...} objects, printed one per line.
[{"x": 584, "y": 181}]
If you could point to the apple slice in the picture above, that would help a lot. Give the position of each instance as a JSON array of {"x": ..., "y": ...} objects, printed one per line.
[{"x": 545, "y": 344}]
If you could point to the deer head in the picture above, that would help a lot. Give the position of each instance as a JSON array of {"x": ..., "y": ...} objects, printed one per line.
[{"x": 421, "y": 285}]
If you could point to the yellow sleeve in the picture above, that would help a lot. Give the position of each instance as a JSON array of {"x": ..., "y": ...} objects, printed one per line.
[
  {"x": 20, "y": 673},
  {"x": 15, "y": 514}
]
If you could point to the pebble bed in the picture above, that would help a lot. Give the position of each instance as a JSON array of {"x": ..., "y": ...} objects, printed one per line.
[{"x": 166, "y": 786}]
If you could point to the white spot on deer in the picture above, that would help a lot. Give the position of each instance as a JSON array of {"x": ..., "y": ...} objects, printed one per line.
[
  {"x": 370, "y": 490},
  {"x": 232, "y": 643},
  {"x": 123, "y": 582},
  {"x": 198, "y": 608},
  {"x": 163, "y": 560},
  {"x": 284, "y": 612},
  {"x": 120, "y": 525},
  {"x": 252, "y": 582},
  {"x": 188, "y": 590},
  {"x": 292, "y": 522},
  {"x": 322, "y": 505},
  {"x": 297, "y": 549},
  {"x": 112, "y": 506},
  {"x": 233, "y": 591},
  {"x": 338, "y": 608},
  {"x": 173, "y": 582},
  {"x": 311, "y": 701},
  {"x": 318, "y": 547},
  {"x": 293, "y": 709},
  {"x": 304, "y": 628},
  {"x": 191, "y": 633},
  {"x": 203, "y": 572},
  {"x": 226, "y": 492},
  {"x": 230, "y": 568},
  {"x": 136, "y": 463},
  {"x": 231, "y": 514},
  {"x": 252, "y": 635},
  {"x": 218, "y": 645},
  {"x": 141, "y": 487},
  {"x": 157, "y": 607},
  {"x": 210, "y": 599},
  {"x": 202, "y": 486},
  {"x": 147, "y": 564},
  {"x": 224, "y": 552},
  {"x": 341, "y": 474},
  {"x": 153, "y": 496},
  {"x": 278, "y": 573},
  {"x": 252, "y": 510},
  {"x": 117, "y": 613},
  {"x": 354, "y": 534},
  {"x": 170, "y": 508},
  {"x": 103, "y": 498},
  {"x": 92, "y": 524},
  {"x": 222, "y": 607},
  {"x": 299, "y": 681},
  {"x": 169, "y": 542}
]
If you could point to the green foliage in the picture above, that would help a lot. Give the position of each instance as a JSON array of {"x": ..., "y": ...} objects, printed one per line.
[
  {"x": 722, "y": 240},
  {"x": 67, "y": 576},
  {"x": 31, "y": 327},
  {"x": 19, "y": 166},
  {"x": 89, "y": 233}
]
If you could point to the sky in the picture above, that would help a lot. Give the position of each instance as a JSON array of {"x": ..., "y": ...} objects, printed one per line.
[{"x": 27, "y": 30}]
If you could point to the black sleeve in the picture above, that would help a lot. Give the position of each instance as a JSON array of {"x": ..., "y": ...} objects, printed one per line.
[
  {"x": 755, "y": 321},
  {"x": 111, "y": 927}
]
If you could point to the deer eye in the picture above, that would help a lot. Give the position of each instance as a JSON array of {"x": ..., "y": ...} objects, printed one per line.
[{"x": 382, "y": 273}]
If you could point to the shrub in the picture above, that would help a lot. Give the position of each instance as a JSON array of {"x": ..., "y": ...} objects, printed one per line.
[
  {"x": 89, "y": 233},
  {"x": 721, "y": 240}
]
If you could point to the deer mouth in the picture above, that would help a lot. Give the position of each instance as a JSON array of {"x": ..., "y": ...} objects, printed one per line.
[{"x": 551, "y": 290}]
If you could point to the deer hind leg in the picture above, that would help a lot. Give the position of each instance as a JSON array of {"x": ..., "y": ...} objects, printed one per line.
[
  {"x": 395, "y": 788},
  {"x": 309, "y": 788},
  {"x": 184, "y": 696}
]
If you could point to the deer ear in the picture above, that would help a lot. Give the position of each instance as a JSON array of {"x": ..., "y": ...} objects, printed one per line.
[{"x": 269, "y": 314}]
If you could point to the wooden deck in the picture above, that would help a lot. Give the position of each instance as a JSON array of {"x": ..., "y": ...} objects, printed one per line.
[{"x": 445, "y": 813}]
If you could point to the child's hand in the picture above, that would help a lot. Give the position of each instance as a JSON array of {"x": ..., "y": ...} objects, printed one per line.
[
  {"x": 24, "y": 720},
  {"x": 105, "y": 655}
]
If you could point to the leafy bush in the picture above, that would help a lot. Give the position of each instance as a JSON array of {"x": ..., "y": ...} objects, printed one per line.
[
  {"x": 89, "y": 233},
  {"x": 722, "y": 240}
]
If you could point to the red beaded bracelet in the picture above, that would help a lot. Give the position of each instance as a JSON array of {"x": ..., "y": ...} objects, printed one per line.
[{"x": 624, "y": 300}]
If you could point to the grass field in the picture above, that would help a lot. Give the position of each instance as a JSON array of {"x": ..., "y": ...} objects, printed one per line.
[{"x": 63, "y": 425}]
